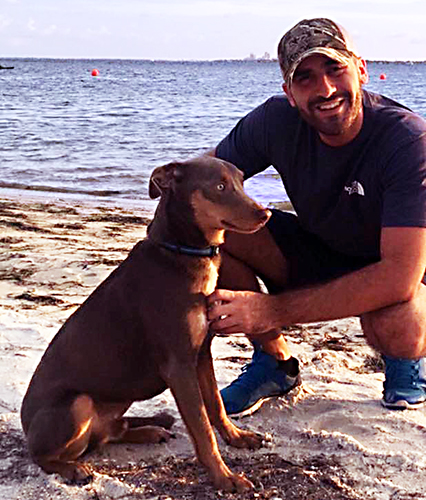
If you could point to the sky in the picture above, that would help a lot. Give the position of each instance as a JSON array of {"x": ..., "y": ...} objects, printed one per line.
[{"x": 201, "y": 29}]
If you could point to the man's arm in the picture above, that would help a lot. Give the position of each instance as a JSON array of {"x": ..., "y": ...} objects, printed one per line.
[{"x": 394, "y": 279}]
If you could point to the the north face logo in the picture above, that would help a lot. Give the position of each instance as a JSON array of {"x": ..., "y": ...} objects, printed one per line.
[{"x": 355, "y": 188}]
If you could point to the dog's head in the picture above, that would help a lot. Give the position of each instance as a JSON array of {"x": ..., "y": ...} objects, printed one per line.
[{"x": 213, "y": 188}]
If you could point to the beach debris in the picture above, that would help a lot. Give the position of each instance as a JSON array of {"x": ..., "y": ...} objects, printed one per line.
[{"x": 39, "y": 299}]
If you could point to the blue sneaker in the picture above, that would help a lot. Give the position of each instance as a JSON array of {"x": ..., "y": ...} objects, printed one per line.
[
  {"x": 262, "y": 379},
  {"x": 405, "y": 383}
]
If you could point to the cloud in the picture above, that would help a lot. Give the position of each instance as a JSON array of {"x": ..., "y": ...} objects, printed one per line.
[
  {"x": 4, "y": 22},
  {"x": 31, "y": 25},
  {"x": 101, "y": 31},
  {"x": 50, "y": 30},
  {"x": 188, "y": 8}
]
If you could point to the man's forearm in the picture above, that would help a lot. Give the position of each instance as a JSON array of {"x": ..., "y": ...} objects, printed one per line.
[
  {"x": 395, "y": 279},
  {"x": 368, "y": 289}
]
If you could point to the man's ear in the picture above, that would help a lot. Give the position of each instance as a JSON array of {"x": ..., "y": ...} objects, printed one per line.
[
  {"x": 362, "y": 68},
  {"x": 162, "y": 178},
  {"x": 288, "y": 93}
]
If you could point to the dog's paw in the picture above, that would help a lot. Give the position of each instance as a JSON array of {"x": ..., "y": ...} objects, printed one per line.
[
  {"x": 148, "y": 434},
  {"x": 164, "y": 420},
  {"x": 78, "y": 475},
  {"x": 162, "y": 435},
  {"x": 233, "y": 482},
  {"x": 240, "y": 438}
]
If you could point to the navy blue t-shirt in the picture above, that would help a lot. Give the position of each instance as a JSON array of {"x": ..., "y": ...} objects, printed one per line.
[{"x": 344, "y": 195}]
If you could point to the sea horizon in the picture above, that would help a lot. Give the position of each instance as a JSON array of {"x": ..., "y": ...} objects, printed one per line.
[{"x": 215, "y": 60}]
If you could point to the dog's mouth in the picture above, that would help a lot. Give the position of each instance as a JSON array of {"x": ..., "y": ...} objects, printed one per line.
[
  {"x": 244, "y": 228},
  {"x": 228, "y": 225}
]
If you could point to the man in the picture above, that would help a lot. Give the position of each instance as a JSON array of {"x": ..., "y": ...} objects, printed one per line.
[{"x": 354, "y": 167}]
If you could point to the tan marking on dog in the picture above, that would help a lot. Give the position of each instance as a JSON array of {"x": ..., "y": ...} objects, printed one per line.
[
  {"x": 210, "y": 284},
  {"x": 83, "y": 429}
]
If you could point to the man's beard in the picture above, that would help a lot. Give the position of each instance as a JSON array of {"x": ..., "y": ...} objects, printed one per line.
[{"x": 337, "y": 124}]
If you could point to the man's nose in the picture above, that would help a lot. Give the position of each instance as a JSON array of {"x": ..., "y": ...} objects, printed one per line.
[{"x": 326, "y": 86}]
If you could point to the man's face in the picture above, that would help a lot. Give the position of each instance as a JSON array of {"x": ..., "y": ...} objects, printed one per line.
[{"x": 328, "y": 96}]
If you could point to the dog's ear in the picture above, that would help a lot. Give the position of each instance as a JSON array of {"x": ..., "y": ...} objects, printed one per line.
[{"x": 162, "y": 177}]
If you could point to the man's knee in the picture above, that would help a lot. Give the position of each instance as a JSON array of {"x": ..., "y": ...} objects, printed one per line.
[
  {"x": 398, "y": 330},
  {"x": 255, "y": 253},
  {"x": 236, "y": 275}
]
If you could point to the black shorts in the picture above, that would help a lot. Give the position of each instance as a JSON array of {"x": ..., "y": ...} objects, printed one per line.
[{"x": 310, "y": 259}]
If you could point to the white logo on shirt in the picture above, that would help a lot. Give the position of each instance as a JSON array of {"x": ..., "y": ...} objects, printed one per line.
[{"x": 355, "y": 188}]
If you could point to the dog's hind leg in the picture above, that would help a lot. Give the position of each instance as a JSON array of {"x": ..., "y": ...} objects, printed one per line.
[
  {"x": 161, "y": 419},
  {"x": 58, "y": 435},
  {"x": 110, "y": 426},
  {"x": 144, "y": 434},
  {"x": 145, "y": 430}
]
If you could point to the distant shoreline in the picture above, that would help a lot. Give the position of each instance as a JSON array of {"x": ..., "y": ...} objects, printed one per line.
[{"x": 247, "y": 60}]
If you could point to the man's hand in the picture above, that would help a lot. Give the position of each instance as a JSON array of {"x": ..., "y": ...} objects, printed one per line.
[{"x": 240, "y": 312}]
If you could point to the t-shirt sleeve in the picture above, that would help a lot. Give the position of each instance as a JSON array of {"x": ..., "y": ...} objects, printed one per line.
[
  {"x": 246, "y": 146},
  {"x": 404, "y": 185}
]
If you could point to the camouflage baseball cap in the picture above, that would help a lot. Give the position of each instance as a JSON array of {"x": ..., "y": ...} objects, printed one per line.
[{"x": 313, "y": 36}]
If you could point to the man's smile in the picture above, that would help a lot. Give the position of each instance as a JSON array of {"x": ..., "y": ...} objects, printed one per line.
[{"x": 330, "y": 105}]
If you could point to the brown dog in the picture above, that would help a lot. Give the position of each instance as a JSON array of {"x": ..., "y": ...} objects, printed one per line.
[{"x": 145, "y": 329}]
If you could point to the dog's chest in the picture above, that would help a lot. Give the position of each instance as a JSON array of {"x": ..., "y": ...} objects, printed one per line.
[
  {"x": 210, "y": 278},
  {"x": 203, "y": 285}
]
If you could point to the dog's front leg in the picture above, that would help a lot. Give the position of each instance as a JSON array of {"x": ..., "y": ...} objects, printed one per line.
[
  {"x": 230, "y": 433},
  {"x": 182, "y": 380}
]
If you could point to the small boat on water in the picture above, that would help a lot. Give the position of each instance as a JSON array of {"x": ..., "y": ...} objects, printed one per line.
[{"x": 6, "y": 67}]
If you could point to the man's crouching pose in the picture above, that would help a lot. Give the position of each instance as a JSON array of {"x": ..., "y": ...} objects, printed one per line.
[{"x": 353, "y": 164}]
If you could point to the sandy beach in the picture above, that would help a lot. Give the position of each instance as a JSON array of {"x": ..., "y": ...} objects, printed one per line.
[{"x": 330, "y": 438}]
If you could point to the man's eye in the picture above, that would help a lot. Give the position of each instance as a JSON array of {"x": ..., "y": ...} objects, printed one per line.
[
  {"x": 301, "y": 78},
  {"x": 338, "y": 70}
]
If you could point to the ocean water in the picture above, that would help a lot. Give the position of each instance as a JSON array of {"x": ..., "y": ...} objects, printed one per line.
[{"x": 66, "y": 133}]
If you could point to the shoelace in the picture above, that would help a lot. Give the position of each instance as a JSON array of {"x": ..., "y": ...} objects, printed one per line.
[
  {"x": 252, "y": 375},
  {"x": 401, "y": 373}
]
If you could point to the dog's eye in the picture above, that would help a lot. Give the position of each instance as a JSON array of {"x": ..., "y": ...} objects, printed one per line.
[{"x": 221, "y": 186}]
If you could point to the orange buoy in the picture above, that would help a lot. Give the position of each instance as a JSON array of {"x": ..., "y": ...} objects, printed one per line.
[
  {"x": 382, "y": 76},
  {"x": 95, "y": 72}
]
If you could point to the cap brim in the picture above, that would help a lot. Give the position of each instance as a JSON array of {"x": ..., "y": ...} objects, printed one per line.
[{"x": 334, "y": 54}]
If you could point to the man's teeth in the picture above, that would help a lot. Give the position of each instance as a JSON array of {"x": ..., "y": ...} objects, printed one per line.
[{"x": 330, "y": 105}]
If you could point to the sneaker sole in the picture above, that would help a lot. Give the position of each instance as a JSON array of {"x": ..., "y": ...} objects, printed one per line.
[
  {"x": 403, "y": 405},
  {"x": 249, "y": 411},
  {"x": 254, "y": 408}
]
